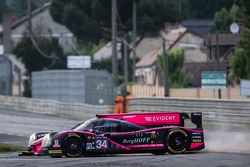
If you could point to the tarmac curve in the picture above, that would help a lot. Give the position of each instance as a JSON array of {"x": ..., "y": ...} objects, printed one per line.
[{"x": 198, "y": 159}]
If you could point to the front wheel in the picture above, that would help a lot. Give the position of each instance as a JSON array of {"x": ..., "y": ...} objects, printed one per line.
[
  {"x": 72, "y": 147},
  {"x": 176, "y": 141}
]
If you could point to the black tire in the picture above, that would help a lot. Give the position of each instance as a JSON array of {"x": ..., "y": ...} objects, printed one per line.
[
  {"x": 56, "y": 156},
  {"x": 159, "y": 152},
  {"x": 176, "y": 141},
  {"x": 73, "y": 147}
]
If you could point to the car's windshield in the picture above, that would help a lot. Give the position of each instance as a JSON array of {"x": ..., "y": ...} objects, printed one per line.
[
  {"x": 74, "y": 127},
  {"x": 88, "y": 125}
]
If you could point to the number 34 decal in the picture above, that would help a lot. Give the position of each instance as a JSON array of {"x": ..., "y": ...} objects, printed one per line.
[{"x": 101, "y": 144}]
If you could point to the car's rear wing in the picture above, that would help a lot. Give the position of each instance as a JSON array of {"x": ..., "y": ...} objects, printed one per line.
[{"x": 153, "y": 119}]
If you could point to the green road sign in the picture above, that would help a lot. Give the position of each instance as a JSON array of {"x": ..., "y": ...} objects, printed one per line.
[{"x": 213, "y": 79}]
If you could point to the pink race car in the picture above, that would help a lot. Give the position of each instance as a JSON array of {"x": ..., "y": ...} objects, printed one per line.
[{"x": 142, "y": 132}]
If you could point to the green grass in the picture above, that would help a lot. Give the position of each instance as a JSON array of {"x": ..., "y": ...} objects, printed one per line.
[{"x": 10, "y": 148}]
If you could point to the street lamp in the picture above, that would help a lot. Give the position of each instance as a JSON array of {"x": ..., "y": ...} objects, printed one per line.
[{"x": 134, "y": 37}]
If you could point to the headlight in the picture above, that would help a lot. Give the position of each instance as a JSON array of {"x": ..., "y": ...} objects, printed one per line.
[
  {"x": 32, "y": 139},
  {"x": 46, "y": 141}
]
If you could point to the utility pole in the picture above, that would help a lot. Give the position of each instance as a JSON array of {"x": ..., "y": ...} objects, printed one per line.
[
  {"x": 179, "y": 10},
  {"x": 125, "y": 49},
  {"x": 165, "y": 69},
  {"x": 114, "y": 41},
  {"x": 29, "y": 18},
  {"x": 7, "y": 19},
  {"x": 218, "y": 59},
  {"x": 7, "y": 80},
  {"x": 134, "y": 38}
]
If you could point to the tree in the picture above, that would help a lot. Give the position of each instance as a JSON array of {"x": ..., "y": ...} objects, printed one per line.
[
  {"x": 105, "y": 64},
  {"x": 204, "y": 9},
  {"x": 33, "y": 60},
  {"x": 90, "y": 20},
  {"x": 224, "y": 18},
  {"x": 177, "y": 76},
  {"x": 19, "y": 8},
  {"x": 239, "y": 61}
]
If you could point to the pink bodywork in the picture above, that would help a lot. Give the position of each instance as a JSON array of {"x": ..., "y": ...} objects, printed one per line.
[
  {"x": 141, "y": 118},
  {"x": 36, "y": 145},
  {"x": 151, "y": 119},
  {"x": 147, "y": 118}
]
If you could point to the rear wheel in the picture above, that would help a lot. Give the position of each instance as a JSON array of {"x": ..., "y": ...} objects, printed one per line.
[
  {"x": 73, "y": 147},
  {"x": 176, "y": 141}
]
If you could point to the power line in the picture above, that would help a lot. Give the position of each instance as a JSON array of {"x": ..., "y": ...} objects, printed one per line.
[{"x": 31, "y": 34}]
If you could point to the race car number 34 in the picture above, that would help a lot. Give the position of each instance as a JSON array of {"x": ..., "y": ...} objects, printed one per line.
[{"x": 101, "y": 143}]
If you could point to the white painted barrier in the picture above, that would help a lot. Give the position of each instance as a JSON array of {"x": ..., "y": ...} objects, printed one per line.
[
  {"x": 214, "y": 111},
  {"x": 51, "y": 107}
]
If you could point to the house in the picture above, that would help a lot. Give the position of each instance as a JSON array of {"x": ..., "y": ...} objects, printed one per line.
[
  {"x": 106, "y": 52},
  {"x": 145, "y": 45},
  {"x": 147, "y": 70},
  {"x": 220, "y": 45},
  {"x": 5, "y": 76},
  {"x": 44, "y": 25}
]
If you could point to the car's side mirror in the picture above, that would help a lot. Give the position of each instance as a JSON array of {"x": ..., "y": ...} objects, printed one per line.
[{"x": 98, "y": 129}]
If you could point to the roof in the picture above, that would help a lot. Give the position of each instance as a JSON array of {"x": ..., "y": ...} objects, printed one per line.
[
  {"x": 198, "y": 26},
  {"x": 25, "y": 18},
  {"x": 223, "y": 39},
  {"x": 148, "y": 59},
  {"x": 171, "y": 37},
  {"x": 106, "y": 51}
]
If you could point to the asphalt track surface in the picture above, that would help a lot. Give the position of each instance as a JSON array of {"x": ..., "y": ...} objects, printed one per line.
[
  {"x": 16, "y": 127},
  {"x": 129, "y": 160},
  {"x": 224, "y": 147}
]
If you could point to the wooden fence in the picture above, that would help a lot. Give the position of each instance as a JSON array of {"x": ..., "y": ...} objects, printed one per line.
[{"x": 156, "y": 91}]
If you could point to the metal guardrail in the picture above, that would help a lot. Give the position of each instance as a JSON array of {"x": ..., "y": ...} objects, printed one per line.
[
  {"x": 51, "y": 107},
  {"x": 214, "y": 111}
]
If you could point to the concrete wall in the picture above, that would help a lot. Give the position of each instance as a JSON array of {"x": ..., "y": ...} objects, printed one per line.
[
  {"x": 83, "y": 86},
  {"x": 51, "y": 107}
]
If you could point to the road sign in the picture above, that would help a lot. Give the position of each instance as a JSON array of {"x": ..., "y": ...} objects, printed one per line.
[
  {"x": 78, "y": 62},
  {"x": 213, "y": 79},
  {"x": 245, "y": 87}
]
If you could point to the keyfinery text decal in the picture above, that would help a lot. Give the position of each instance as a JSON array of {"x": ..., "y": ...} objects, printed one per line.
[{"x": 136, "y": 140}]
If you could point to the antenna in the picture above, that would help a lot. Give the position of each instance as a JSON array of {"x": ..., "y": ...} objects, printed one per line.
[
  {"x": 64, "y": 123},
  {"x": 234, "y": 27}
]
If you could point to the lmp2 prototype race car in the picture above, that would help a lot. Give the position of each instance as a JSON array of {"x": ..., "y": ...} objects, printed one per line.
[{"x": 142, "y": 132}]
